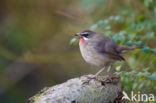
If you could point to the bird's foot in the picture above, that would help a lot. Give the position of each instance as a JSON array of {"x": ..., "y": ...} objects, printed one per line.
[
  {"x": 110, "y": 78},
  {"x": 89, "y": 78},
  {"x": 105, "y": 80}
]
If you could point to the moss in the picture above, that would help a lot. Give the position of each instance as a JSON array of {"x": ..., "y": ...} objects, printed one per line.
[{"x": 37, "y": 96}]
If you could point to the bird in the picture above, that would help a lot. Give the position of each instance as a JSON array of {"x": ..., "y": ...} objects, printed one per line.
[{"x": 101, "y": 51}]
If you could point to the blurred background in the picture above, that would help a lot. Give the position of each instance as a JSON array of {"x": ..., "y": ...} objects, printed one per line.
[{"x": 36, "y": 38}]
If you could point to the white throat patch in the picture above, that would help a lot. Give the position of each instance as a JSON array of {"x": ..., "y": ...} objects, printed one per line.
[{"x": 85, "y": 38}]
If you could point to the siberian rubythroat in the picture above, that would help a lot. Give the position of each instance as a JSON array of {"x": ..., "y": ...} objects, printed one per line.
[{"x": 99, "y": 50}]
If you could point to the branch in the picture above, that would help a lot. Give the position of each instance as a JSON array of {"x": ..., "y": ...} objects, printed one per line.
[{"x": 81, "y": 90}]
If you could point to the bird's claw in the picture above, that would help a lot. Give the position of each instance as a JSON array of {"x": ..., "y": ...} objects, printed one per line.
[
  {"x": 110, "y": 78},
  {"x": 89, "y": 78}
]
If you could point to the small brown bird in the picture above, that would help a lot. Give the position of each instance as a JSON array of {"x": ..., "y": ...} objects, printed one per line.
[{"x": 99, "y": 50}]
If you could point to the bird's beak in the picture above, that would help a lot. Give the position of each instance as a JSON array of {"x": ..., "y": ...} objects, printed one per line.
[{"x": 78, "y": 34}]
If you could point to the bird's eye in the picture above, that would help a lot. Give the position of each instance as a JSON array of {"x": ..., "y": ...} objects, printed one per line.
[{"x": 85, "y": 35}]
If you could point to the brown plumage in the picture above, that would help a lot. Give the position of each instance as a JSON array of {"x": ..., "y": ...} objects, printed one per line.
[{"x": 99, "y": 50}]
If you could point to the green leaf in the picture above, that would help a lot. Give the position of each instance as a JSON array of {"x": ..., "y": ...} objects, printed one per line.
[
  {"x": 118, "y": 73},
  {"x": 117, "y": 18},
  {"x": 146, "y": 56},
  {"x": 141, "y": 85},
  {"x": 100, "y": 22},
  {"x": 147, "y": 2},
  {"x": 140, "y": 74},
  {"x": 126, "y": 74},
  {"x": 122, "y": 38},
  {"x": 129, "y": 43},
  {"x": 94, "y": 27},
  {"x": 131, "y": 36},
  {"x": 122, "y": 32},
  {"x": 108, "y": 70},
  {"x": 131, "y": 62},
  {"x": 107, "y": 33},
  {"x": 153, "y": 49},
  {"x": 118, "y": 68},
  {"x": 153, "y": 60},
  {"x": 145, "y": 50},
  {"x": 73, "y": 41},
  {"x": 135, "y": 85},
  {"x": 106, "y": 21},
  {"x": 115, "y": 37},
  {"x": 153, "y": 76},
  {"x": 138, "y": 43},
  {"x": 107, "y": 27},
  {"x": 149, "y": 35}
]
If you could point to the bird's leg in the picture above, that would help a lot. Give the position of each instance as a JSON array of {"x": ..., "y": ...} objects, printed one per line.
[
  {"x": 90, "y": 77},
  {"x": 99, "y": 71},
  {"x": 96, "y": 75},
  {"x": 109, "y": 76}
]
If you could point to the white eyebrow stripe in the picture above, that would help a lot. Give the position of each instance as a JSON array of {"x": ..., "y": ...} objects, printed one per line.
[{"x": 84, "y": 33}]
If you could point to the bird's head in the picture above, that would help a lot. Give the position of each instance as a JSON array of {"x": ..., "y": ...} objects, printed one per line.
[{"x": 84, "y": 35}]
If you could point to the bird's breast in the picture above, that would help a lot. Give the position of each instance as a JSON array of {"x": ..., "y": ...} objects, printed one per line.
[{"x": 91, "y": 56}]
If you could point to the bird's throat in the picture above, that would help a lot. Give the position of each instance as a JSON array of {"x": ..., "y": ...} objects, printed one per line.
[{"x": 81, "y": 41}]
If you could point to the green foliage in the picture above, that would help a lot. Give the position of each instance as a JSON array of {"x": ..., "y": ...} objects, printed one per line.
[
  {"x": 137, "y": 80},
  {"x": 74, "y": 41}
]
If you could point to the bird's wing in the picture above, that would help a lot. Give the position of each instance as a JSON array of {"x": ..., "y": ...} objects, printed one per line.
[{"x": 109, "y": 48}]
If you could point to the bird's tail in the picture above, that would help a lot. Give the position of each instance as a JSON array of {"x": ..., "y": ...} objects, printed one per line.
[{"x": 123, "y": 48}]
